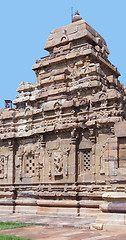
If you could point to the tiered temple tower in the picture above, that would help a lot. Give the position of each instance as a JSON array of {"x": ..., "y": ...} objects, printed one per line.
[{"x": 63, "y": 147}]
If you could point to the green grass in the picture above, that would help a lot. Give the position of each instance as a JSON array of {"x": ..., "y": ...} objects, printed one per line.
[
  {"x": 9, "y": 237},
  {"x": 10, "y": 225}
]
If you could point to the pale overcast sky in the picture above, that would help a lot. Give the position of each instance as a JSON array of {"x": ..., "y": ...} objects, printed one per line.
[{"x": 26, "y": 24}]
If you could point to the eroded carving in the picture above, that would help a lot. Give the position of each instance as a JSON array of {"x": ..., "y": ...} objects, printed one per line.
[
  {"x": 58, "y": 163},
  {"x": 1, "y": 166}
]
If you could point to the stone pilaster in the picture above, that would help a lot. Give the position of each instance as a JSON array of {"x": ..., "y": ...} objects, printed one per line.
[
  {"x": 42, "y": 158},
  {"x": 11, "y": 162},
  {"x": 65, "y": 160},
  {"x": 74, "y": 164},
  {"x": 49, "y": 162},
  {"x": 20, "y": 157},
  {"x": 38, "y": 164},
  {"x": 92, "y": 138}
]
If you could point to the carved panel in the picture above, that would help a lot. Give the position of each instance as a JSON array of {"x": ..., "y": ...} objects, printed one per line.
[
  {"x": 29, "y": 165},
  {"x": 1, "y": 166},
  {"x": 85, "y": 160},
  {"x": 58, "y": 164}
]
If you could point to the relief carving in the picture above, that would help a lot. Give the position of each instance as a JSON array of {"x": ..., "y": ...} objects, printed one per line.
[
  {"x": 58, "y": 163},
  {"x": 1, "y": 166},
  {"x": 64, "y": 37},
  {"x": 39, "y": 167},
  {"x": 58, "y": 108},
  {"x": 20, "y": 164},
  {"x": 5, "y": 167},
  {"x": 28, "y": 162},
  {"x": 73, "y": 75}
]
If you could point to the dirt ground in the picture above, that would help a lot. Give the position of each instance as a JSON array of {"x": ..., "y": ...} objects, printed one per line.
[{"x": 58, "y": 228}]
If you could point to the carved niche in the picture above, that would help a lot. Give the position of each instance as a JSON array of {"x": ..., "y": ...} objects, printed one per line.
[
  {"x": 103, "y": 99},
  {"x": 61, "y": 162},
  {"x": 57, "y": 153},
  {"x": 3, "y": 166},
  {"x": 85, "y": 156},
  {"x": 26, "y": 162},
  {"x": 64, "y": 37}
]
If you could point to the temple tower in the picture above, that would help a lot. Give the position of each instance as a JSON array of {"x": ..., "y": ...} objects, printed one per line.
[{"x": 63, "y": 147}]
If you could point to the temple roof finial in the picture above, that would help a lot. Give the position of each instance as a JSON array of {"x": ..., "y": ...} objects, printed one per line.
[{"x": 76, "y": 17}]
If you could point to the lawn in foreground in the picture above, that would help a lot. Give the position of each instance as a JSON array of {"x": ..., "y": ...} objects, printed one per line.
[
  {"x": 10, "y": 225},
  {"x": 10, "y": 237}
]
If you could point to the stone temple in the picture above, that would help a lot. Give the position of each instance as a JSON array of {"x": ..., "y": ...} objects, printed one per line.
[{"x": 63, "y": 147}]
